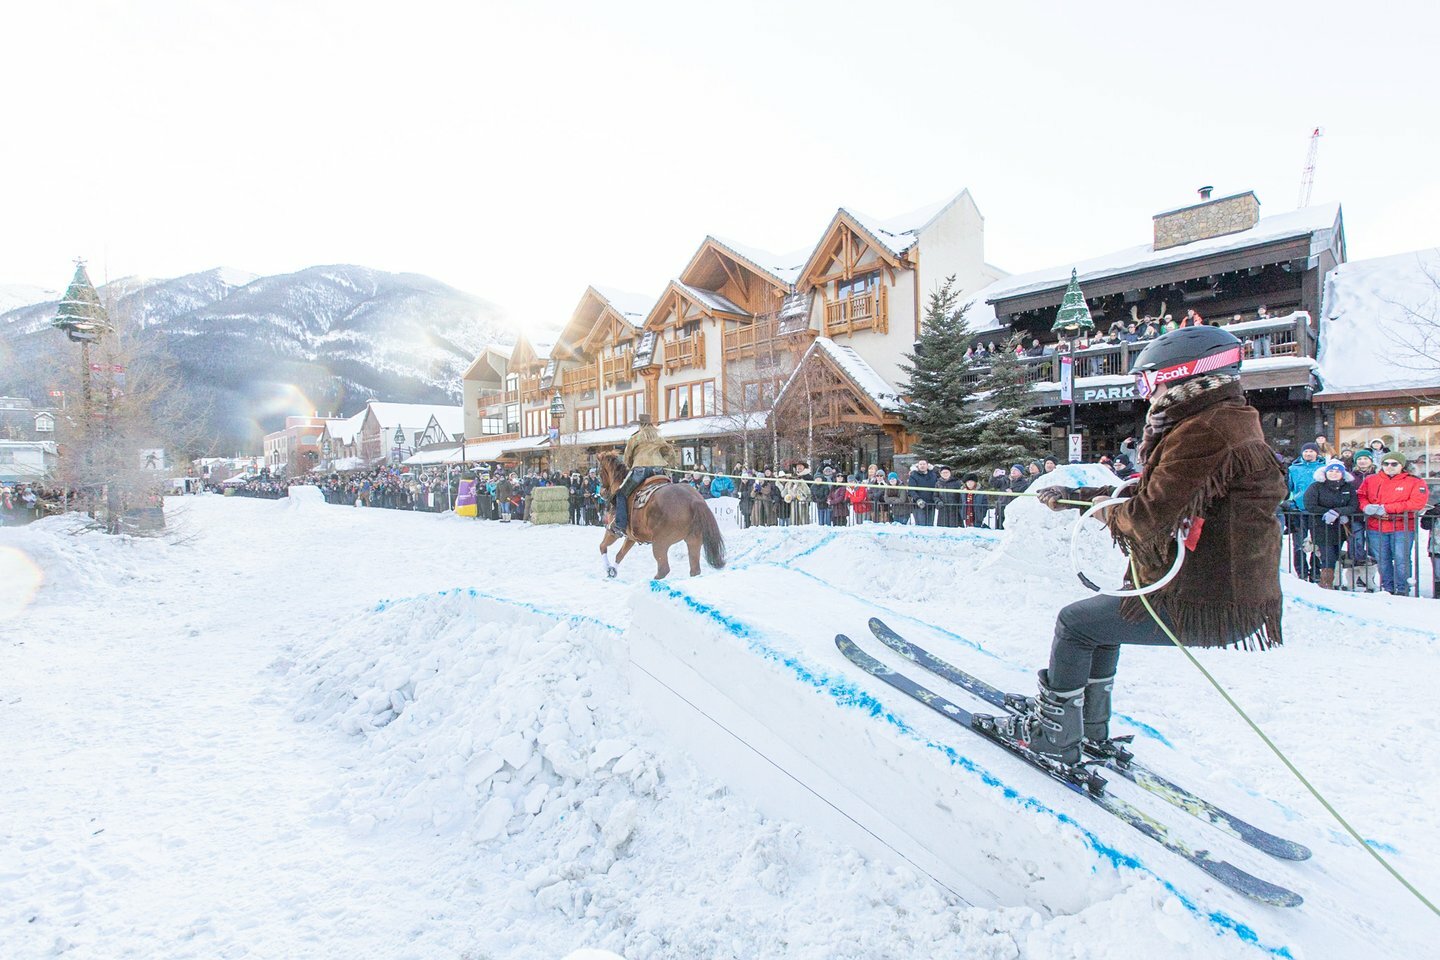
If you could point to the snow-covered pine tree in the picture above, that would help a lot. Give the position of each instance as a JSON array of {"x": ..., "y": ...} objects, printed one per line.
[
  {"x": 939, "y": 384},
  {"x": 1007, "y": 432}
]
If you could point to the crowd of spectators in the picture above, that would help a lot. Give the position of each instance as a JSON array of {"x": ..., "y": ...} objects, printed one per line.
[
  {"x": 24, "y": 502},
  {"x": 1354, "y": 519}
]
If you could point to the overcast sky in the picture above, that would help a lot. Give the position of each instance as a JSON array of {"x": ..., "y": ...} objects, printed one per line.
[{"x": 522, "y": 150}]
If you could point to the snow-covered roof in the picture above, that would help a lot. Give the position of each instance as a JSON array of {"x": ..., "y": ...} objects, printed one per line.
[
  {"x": 1281, "y": 226},
  {"x": 1380, "y": 324},
  {"x": 634, "y": 307},
  {"x": 712, "y": 300},
  {"x": 899, "y": 233},
  {"x": 784, "y": 267},
  {"x": 415, "y": 417},
  {"x": 427, "y": 458},
  {"x": 861, "y": 373},
  {"x": 345, "y": 431}
]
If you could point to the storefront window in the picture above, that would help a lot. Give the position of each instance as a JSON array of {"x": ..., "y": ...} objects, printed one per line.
[{"x": 1411, "y": 430}]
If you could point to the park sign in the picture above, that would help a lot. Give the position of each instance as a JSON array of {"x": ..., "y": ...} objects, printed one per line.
[{"x": 1119, "y": 391}]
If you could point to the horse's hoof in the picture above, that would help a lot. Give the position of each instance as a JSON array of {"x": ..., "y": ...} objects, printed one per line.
[{"x": 610, "y": 572}]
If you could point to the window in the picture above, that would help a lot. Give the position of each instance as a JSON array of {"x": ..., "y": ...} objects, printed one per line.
[
  {"x": 492, "y": 426},
  {"x": 859, "y": 285},
  {"x": 624, "y": 408},
  {"x": 588, "y": 418},
  {"x": 44, "y": 423},
  {"x": 512, "y": 418},
  {"x": 512, "y": 384},
  {"x": 1412, "y": 429},
  {"x": 758, "y": 395},
  {"x": 690, "y": 400},
  {"x": 689, "y": 329}
]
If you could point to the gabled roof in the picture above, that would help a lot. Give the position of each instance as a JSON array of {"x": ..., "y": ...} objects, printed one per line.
[
  {"x": 779, "y": 269},
  {"x": 530, "y": 351},
  {"x": 345, "y": 431},
  {"x": 417, "y": 416},
  {"x": 623, "y": 311},
  {"x": 869, "y": 383},
  {"x": 1320, "y": 221},
  {"x": 845, "y": 220},
  {"x": 708, "y": 301},
  {"x": 489, "y": 357}
]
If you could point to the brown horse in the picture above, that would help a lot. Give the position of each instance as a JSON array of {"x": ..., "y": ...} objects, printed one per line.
[{"x": 673, "y": 513}]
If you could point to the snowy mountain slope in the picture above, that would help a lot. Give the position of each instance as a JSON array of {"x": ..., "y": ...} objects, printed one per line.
[
  {"x": 256, "y": 349},
  {"x": 13, "y": 296}
]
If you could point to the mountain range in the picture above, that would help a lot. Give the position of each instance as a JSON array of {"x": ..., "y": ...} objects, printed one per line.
[{"x": 255, "y": 349}]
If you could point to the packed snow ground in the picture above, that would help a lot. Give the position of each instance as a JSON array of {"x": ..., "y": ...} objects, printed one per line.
[{"x": 301, "y": 730}]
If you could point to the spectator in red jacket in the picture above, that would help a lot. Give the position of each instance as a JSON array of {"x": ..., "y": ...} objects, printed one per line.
[{"x": 1391, "y": 500}]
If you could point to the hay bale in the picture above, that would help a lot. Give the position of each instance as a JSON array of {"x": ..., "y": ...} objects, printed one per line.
[{"x": 550, "y": 505}]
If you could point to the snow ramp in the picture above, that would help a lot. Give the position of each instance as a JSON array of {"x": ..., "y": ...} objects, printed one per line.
[{"x": 741, "y": 669}]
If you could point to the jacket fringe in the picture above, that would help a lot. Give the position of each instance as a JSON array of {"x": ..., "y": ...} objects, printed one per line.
[{"x": 1248, "y": 626}]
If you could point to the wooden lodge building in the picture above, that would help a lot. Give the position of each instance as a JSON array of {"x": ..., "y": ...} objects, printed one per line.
[
  {"x": 744, "y": 357},
  {"x": 1218, "y": 257},
  {"x": 750, "y": 358}
]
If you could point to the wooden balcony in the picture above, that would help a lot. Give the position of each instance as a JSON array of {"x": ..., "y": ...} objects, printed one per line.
[
  {"x": 579, "y": 380},
  {"x": 685, "y": 352},
  {"x": 1277, "y": 337},
  {"x": 619, "y": 368},
  {"x": 530, "y": 390},
  {"x": 863, "y": 311},
  {"x": 760, "y": 337}
]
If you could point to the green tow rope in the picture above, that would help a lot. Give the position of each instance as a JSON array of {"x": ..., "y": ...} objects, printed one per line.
[{"x": 1135, "y": 575}]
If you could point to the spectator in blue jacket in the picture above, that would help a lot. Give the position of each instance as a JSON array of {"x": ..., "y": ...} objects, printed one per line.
[
  {"x": 722, "y": 487},
  {"x": 1301, "y": 476}
]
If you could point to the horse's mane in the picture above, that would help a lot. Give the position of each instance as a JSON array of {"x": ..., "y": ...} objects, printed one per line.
[{"x": 611, "y": 467}]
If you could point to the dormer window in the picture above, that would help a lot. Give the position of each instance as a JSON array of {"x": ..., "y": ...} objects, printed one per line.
[{"x": 44, "y": 423}]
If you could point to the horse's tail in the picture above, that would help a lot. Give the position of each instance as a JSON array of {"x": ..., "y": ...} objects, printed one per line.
[{"x": 710, "y": 536}]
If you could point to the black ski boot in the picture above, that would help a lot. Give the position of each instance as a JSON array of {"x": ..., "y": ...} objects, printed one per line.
[
  {"x": 1098, "y": 742},
  {"x": 1053, "y": 726}
]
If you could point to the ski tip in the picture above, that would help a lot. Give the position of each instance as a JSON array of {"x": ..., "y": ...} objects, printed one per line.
[
  {"x": 876, "y": 622},
  {"x": 1249, "y": 885}
]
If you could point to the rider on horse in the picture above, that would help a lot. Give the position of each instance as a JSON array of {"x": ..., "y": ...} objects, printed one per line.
[{"x": 646, "y": 454}]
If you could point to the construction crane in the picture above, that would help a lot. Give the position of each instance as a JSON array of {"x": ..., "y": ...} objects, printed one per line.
[{"x": 1307, "y": 178}]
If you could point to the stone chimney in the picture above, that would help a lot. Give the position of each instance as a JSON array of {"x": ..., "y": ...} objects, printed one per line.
[{"x": 1206, "y": 219}]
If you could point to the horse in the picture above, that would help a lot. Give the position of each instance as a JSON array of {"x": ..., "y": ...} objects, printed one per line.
[{"x": 673, "y": 513}]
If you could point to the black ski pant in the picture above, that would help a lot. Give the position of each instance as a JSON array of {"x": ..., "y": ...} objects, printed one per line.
[{"x": 1088, "y": 637}]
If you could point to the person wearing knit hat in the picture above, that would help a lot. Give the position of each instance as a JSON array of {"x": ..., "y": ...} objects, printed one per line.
[
  {"x": 1330, "y": 502},
  {"x": 1392, "y": 500},
  {"x": 1300, "y": 475}
]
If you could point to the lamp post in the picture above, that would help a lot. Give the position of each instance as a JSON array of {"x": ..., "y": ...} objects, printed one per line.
[
  {"x": 399, "y": 441},
  {"x": 325, "y": 449},
  {"x": 1071, "y": 320},
  {"x": 557, "y": 413}
]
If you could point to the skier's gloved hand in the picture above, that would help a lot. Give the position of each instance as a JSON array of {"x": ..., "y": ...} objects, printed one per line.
[
  {"x": 1051, "y": 496},
  {"x": 1374, "y": 510},
  {"x": 1331, "y": 516},
  {"x": 1344, "y": 519}
]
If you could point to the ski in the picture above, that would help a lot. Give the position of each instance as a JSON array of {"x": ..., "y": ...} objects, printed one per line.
[
  {"x": 1084, "y": 782},
  {"x": 1137, "y": 773}
]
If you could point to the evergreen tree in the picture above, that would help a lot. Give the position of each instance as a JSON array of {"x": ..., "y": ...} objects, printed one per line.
[
  {"x": 939, "y": 384},
  {"x": 1007, "y": 432}
]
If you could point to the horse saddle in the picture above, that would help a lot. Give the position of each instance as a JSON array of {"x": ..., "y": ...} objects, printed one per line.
[{"x": 644, "y": 492}]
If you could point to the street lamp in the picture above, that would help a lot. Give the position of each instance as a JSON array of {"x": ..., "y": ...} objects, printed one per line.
[
  {"x": 399, "y": 441},
  {"x": 1071, "y": 320},
  {"x": 557, "y": 413}
]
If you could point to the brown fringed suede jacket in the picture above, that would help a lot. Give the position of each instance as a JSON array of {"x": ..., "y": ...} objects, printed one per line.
[{"x": 1214, "y": 464}]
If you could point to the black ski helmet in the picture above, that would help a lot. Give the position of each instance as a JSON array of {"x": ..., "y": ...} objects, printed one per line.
[{"x": 1185, "y": 353}]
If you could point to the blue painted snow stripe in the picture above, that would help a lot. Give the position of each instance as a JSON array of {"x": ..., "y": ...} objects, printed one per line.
[
  {"x": 1372, "y": 621},
  {"x": 847, "y": 694}
]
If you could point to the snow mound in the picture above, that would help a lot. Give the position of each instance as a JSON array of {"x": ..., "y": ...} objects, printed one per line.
[{"x": 304, "y": 498}]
